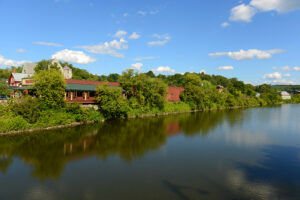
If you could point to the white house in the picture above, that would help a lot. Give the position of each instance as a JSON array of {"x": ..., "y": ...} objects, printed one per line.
[{"x": 285, "y": 95}]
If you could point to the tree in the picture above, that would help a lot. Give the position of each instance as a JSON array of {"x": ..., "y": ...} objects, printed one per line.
[
  {"x": 142, "y": 90},
  {"x": 4, "y": 89},
  {"x": 113, "y": 77},
  {"x": 49, "y": 86},
  {"x": 44, "y": 65},
  {"x": 111, "y": 103}
]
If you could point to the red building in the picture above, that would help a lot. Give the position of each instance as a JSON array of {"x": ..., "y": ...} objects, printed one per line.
[{"x": 78, "y": 91}]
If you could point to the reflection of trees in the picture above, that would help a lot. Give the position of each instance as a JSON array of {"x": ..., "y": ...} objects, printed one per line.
[
  {"x": 48, "y": 152},
  {"x": 131, "y": 138},
  {"x": 203, "y": 122},
  {"x": 4, "y": 163}
]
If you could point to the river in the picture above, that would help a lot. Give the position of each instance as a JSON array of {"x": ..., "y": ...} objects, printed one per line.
[{"x": 229, "y": 154}]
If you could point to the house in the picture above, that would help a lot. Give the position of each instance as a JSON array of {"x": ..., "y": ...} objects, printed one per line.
[
  {"x": 174, "y": 93},
  {"x": 15, "y": 79},
  {"x": 84, "y": 91},
  {"x": 220, "y": 88},
  {"x": 285, "y": 95},
  {"x": 297, "y": 92}
]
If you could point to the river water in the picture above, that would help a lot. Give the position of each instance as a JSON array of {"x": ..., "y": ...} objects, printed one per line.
[{"x": 230, "y": 154}]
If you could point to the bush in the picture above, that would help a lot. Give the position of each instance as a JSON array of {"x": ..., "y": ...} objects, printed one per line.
[
  {"x": 93, "y": 115},
  {"x": 54, "y": 117},
  {"x": 13, "y": 124},
  {"x": 27, "y": 107}
]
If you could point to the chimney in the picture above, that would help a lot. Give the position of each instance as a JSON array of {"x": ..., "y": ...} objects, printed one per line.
[{"x": 14, "y": 71}]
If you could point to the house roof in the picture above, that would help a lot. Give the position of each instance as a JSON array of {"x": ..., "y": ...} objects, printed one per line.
[
  {"x": 80, "y": 87},
  {"x": 85, "y": 82},
  {"x": 20, "y": 76},
  {"x": 28, "y": 68},
  {"x": 284, "y": 93}
]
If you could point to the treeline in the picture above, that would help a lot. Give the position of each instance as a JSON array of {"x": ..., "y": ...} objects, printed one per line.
[
  {"x": 288, "y": 88},
  {"x": 145, "y": 93},
  {"x": 138, "y": 94}
]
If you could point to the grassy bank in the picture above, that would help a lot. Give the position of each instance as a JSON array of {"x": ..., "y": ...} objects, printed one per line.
[{"x": 13, "y": 121}]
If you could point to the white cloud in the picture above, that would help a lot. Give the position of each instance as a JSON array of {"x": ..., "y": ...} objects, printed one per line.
[
  {"x": 163, "y": 69},
  {"x": 137, "y": 66},
  {"x": 73, "y": 56},
  {"x": 120, "y": 34},
  {"x": 20, "y": 50},
  {"x": 7, "y": 62},
  {"x": 107, "y": 48},
  {"x": 275, "y": 75},
  {"x": 163, "y": 39},
  {"x": 283, "y": 82},
  {"x": 144, "y": 58},
  {"x": 203, "y": 71},
  {"x": 245, "y": 12},
  {"x": 248, "y": 54},
  {"x": 141, "y": 12},
  {"x": 242, "y": 13},
  {"x": 284, "y": 68},
  {"x": 125, "y": 15},
  {"x": 225, "y": 24},
  {"x": 134, "y": 36},
  {"x": 226, "y": 68},
  {"x": 287, "y": 75},
  {"x": 280, "y": 6},
  {"x": 296, "y": 69},
  {"x": 47, "y": 44},
  {"x": 154, "y": 12}
]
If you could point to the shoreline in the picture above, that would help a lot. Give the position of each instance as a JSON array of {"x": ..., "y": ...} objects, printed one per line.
[{"x": 74, "y": 124}]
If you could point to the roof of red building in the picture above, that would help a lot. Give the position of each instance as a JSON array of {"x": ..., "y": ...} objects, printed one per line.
[{"x": 85, "y": 82}]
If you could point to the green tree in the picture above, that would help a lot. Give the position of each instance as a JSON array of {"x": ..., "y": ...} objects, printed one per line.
[
  {"x": 111, "y": 103},
  {"x": 49, "y": 86},
  {"x": 44, "y": 65},
  {"x": 143, "y": 90},
  {"x": 4, "y": 89}
]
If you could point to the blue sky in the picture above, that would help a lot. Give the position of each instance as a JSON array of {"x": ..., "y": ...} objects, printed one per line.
[{"x": 256, "y": 41}]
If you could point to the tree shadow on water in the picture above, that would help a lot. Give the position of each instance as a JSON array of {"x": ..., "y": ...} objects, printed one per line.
[{"x": 178, "y": 190}]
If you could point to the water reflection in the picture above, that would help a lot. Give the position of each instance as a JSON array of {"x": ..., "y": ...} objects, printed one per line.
[{"x": 49, "y": 152}]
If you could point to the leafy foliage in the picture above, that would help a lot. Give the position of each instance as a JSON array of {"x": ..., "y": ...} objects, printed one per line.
[
  {"x": 111, "y": 103},
  {"x": 27, "y": 107},
  {"x": 49, "y": 86},
  {"x": 45, "y": 65},
  {"x": 4, "y": 89},
  {"x": 143, "y": 91}
]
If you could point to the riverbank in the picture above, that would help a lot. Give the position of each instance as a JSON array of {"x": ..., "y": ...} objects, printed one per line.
[{"x": 101, "y": 119}]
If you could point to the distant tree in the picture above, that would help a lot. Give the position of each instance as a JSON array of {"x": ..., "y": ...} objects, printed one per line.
[
  {"x": 4, "y": 88},
  {"x": 49, "y": 85},
  {"x": 113, "y": 77},
  {"x": 150, "y": 74},
  {"x": 5, "y": 73},
  {"x": 44, "y": 65}
]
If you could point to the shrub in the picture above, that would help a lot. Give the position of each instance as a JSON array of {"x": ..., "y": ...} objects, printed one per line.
[
  {"x": 13, "y": 124},
  {"x": 27, "y": 107}
]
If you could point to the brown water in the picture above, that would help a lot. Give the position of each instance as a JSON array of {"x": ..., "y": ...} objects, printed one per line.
[{"x": 233, "y": 154}]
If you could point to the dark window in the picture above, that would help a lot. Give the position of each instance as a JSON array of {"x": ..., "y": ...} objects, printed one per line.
[{"x": 79, "y": 94}]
